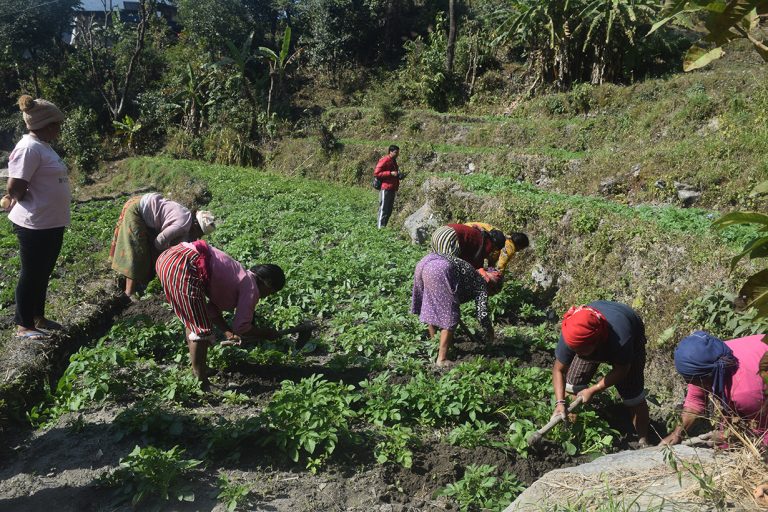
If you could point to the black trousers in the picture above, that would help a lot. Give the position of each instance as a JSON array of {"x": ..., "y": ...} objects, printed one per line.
[
  {"x": 39, "y": 249},
  {"x": 386, "y": 202}
]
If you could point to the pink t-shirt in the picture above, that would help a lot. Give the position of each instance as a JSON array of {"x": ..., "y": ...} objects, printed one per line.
[
  {"x": 231, "y": 287},
  {"x": 46, "y": 203},
  {"x": 746, "y": 389},
  {"x": 172, "y": 220}
]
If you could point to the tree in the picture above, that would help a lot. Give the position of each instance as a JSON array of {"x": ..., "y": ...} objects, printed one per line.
[
  {"x": 31, "y": 34},
  {"x": 544, "y": 28},
  {"x": 609, "y": 27},
  {"x": 113, "y": 53},
  {"x": 211, "y": 23},
  {"x": 451, "y": 48},
  {"x": 724, "y": 21},
  {"x": 278, "y": 64}
]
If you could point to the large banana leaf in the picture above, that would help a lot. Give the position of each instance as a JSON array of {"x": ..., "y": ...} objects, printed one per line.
[
  {"x": 760, "y": 189},
  {"x": 697, "y": 57},
  {"x": 735, "y": 218},
  {"x": 755, "y": 292},
  {"x": 757, "y": 248}
]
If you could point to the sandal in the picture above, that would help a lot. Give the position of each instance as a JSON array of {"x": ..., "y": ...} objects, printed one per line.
[
  {"x": 49, "y": 325},
  {"x": 33, "y": 335}
]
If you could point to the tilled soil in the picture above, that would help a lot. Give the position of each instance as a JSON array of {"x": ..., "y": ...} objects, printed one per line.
[{"x": 59, "y": 468}]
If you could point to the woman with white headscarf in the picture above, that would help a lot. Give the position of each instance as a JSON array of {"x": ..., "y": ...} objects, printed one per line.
[{"x": 147, "y": 226}]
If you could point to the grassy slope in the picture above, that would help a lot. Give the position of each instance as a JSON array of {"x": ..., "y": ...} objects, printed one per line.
[{"x": 706, "y": 129}]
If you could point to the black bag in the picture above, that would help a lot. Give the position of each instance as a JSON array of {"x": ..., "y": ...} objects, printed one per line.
[{"x": 376, "y": 183}]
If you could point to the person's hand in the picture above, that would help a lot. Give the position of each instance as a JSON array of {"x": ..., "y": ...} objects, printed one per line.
[
  {"x": 586, "y": 395},
  {"x": 671, "y": 439},
  {"x": 7, "y": 202},
  {"x": 560, "y": 411},
  {"x": 761, "y": 494},
  {"x": 232, "y": 340}
]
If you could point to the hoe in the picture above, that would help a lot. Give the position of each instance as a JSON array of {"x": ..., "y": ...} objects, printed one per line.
[{"x": 539, "y": 434}]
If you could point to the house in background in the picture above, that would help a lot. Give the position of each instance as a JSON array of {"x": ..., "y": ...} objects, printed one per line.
[{"x": 99, "y": 10}]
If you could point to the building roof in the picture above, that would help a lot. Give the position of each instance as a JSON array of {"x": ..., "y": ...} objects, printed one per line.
[{"x": 98, "y": 5}]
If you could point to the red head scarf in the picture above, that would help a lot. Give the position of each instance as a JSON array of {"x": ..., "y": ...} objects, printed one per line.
[{"x": 584, "y": 326}]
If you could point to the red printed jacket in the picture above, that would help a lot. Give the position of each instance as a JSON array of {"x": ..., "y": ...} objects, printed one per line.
[
  {"x": 384, "y": 169},
  {"x": 474, "y": 246}
]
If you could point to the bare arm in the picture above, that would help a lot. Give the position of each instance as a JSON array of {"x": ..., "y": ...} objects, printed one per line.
[
  {"x": 17, "y": 188},
  {"x": 559, "y": 371},
  {"x": 688, "y": 418}
]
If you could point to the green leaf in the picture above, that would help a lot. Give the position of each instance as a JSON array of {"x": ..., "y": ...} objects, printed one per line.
[
  {"x": 697, "y": 57},
  {"x": 755, "y": 291},
  {"x": 760, "y": 189},
  {"x": 286, "y": 45},
  {"x": 735, "y": 218},
  {"x": 756, "y": 249}
]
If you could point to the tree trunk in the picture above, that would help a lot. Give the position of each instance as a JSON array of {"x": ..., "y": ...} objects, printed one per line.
[
  {"x": 269, "y": 96},
  {"x": 450, "y": 52}
]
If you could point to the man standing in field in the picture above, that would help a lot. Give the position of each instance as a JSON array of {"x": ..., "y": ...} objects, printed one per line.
[
  {"x": 603, "y": 332},
  {"x": 389, "y": 174}
]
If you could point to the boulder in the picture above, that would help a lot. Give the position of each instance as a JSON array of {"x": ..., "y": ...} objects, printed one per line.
[
  {"x": 611, "y": 186},
  {"x": 543, "y": 278},
  {"x": 632, "y": 480},
  {"x": 688, "y": 194},
  {"x": 421, "y": 223}
]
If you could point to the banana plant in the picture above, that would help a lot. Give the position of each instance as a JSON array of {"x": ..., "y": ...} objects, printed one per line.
[
  {"x": 240, "y": 57},
  {"x": 755, "y": 290},
  {"x": 605, "y": 20},
  {"x": 724, "y": 21},
  {"x": 278, "y": 63},
  {"x": 128, "y": 128}
]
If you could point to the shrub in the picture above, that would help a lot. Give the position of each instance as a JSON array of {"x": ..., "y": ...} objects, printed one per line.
[{"x": 80, "y": 141}]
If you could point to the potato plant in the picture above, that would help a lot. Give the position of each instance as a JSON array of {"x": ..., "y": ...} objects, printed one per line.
[{"x": 355, "y": 282}]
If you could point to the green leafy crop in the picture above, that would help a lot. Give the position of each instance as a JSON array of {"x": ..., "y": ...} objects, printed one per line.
[
  {"x": 309, "y": 417},
  {"x": 480, "y": 489},
  {"x": 152, "y": 472}
]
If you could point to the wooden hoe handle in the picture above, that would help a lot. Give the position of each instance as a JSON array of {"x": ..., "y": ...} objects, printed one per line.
[{"x": 539, "y": 434}]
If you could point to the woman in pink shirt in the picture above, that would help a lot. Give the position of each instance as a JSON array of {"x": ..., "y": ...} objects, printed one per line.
[
  {"x": 729, "y": 373},
  {"x": 38, "y": 198},
  {"x": 147, "y": 226},
  {"x": 192, "y": 272}
]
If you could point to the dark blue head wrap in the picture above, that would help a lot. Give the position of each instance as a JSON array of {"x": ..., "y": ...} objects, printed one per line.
[{"x": 703, "y": 355}]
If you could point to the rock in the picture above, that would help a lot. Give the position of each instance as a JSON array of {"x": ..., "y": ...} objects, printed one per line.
[
  {"x": 688, "y": 197},
  {"x": 712, "y": 126},
  {"x": 421, "y": 223},
  {"x": 682, "y": 186},
  {"x": 641, "y": 479},
  {"x": 635, "y": 171},
  {"x": 687, "y": 193},
  {"x": 542, "y": 277},
  {"x": 611, "y": 186},
  {"x": 470, "y": 168},
  {"x": 660, "y": 184}
]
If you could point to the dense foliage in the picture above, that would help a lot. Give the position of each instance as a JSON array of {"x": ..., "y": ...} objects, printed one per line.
[{"x": 219, "y": 79}]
